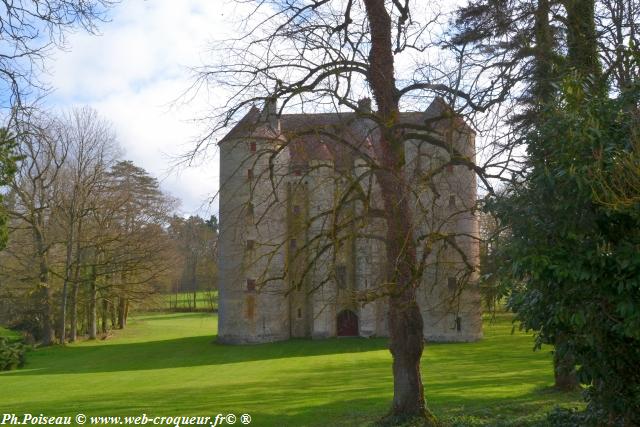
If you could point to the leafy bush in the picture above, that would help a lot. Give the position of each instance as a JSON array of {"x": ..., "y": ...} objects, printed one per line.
[
  {"x": 12, "y": 354},
  {"x": 572, "y": 255}
]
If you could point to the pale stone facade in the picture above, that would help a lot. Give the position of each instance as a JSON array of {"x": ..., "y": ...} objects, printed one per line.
[{"x": 289, "y": 269}]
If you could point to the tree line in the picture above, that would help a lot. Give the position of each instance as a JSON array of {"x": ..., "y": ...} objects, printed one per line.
[{"x": 90, "y": 234}]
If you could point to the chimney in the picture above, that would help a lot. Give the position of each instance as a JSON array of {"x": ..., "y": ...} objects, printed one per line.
[
  {"x": 270, "y": 113},
  {"x": 364, "y": 105}
]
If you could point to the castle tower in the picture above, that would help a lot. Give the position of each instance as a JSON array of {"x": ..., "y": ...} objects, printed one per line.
[
  {"x": 449, "y": 295},
  {"x": 252, "y": 303}
]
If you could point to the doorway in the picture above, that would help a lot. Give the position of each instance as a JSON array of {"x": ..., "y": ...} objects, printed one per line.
[{"x": 347, "y": 324}]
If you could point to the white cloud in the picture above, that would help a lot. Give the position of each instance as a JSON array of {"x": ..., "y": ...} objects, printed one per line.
[{"x": 132, "y": 73}]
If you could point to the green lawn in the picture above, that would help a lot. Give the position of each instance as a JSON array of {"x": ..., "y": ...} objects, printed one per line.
[{"x": 169, "y": 364}]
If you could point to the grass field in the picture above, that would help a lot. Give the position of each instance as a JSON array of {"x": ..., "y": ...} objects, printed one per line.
[{"x": 169, "y": 364}]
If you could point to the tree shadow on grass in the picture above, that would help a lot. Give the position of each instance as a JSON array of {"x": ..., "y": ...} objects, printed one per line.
[
  {"x": 178, "y": 353},
  {"x": 342, "y": 396}
]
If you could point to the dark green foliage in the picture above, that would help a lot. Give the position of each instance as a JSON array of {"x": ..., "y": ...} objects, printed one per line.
[
  {"x": 574, "y": 263},
  {"x": 12, "y": 354},
  {"x": 8, "y": 160}
]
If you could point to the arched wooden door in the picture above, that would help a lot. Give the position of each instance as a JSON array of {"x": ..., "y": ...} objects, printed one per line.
[{"x": 347, "y": 324}]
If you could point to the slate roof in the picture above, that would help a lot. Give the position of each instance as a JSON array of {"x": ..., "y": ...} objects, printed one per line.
[{"x": 310, "y": 135}]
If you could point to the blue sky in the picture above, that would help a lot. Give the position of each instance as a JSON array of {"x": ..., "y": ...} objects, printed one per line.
[{"x": 134, "y": 71}]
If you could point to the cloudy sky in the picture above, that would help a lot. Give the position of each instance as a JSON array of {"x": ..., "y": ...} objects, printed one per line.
[{"x": 134, "y": 71}]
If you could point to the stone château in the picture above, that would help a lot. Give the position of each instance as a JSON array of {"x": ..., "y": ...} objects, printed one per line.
[{"x": 288, "y": 268}]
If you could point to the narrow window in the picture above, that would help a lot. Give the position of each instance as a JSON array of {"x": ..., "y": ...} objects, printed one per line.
[
  {"x": 299, "y": 313},
  {"x": 250, "y": 306},
  {"x": 251, "y": 285},
  {"x": 458, "y": 323},
  {"x": 341, "y": 276},
  {"x": 452, "y": 201},
  {"x": 250, "y": 174},
  {"x": 252, "y": 147},
  {"x": 250, "y": 245}
]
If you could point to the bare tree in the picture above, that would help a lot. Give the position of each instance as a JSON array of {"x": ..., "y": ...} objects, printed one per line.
[
  {"x": 35, "y": 186},
  {"x": 92, "y": 152},
  {"x": 29, "y": 31},
  {"x": 324, "y": 56}
]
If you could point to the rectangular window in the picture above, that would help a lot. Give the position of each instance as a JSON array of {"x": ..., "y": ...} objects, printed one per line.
[
  {"x": 458, "y": 323},
  {"x": 452, "y": 284},
  {"x": 252, "y": 147},
  {"x": 452, "y": 201},
  {"x": 250, "y": 245},
  {"x": 250, "y": 174},
  {"x": 299, "y": 313},
  {"x": 341, "y": 276},
  {"x": 250, "y": 306},
  {"x": 251, "y": 285}
]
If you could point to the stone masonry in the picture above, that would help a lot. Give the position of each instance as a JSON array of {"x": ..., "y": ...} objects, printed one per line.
[{"x": 293, "y": 265}]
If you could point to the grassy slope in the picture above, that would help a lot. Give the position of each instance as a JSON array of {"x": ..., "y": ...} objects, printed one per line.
[{"x": 169, "y": 365}]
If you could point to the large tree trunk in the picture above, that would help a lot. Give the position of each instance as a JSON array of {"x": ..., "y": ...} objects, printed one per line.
[
  {"x": 544, "y": 56},
  {"x": 564, "y": 367},
  {"x": 582, "y": 38},
  {"x": 405, "y": 320}
]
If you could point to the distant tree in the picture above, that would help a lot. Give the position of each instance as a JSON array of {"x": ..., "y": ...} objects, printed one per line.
[
  {"x": 195, "y": 241},
  {"x": 139, "y": 251}
]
